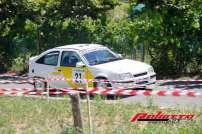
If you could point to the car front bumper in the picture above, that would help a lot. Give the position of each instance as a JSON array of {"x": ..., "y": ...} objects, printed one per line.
[{"x": 134, "y": 83}]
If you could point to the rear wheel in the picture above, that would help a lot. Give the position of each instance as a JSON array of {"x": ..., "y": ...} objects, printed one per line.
[{"x": 40, "y": 84}]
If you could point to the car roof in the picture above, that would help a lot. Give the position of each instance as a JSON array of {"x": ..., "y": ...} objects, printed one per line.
[{"x": 81, "y": 47}]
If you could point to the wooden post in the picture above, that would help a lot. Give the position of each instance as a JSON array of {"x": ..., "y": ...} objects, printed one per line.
[
  {"x": 89, "y": 114},
  {"x": 75, "y": 101}
]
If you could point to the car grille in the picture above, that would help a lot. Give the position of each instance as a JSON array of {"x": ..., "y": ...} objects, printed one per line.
[
  {"x": 141, "y": 74},
  {"x": 142, "y": 82},
  {"x": 151, "y": 77}
]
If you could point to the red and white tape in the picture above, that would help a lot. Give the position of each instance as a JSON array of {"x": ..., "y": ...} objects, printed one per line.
[
  {"x": 145, "y": 93},
  {"x": 31, "y": 80},
  {"x": 136, "y": 86},
  {"x": 58, "y": 79},
  {"x": 16, "y": 81},
  {"x": 94, "y": 80},
  {"x": 170, "y": 80},
  {"x": 145, "y": 87},
  {"x": 116, "y": 92},
  {"x": 36, "y": 93}
]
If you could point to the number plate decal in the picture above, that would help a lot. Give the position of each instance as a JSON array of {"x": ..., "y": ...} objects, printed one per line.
[{"x": 78, "y": 75}]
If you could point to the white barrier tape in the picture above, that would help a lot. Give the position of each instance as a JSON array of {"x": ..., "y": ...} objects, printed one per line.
[
  {"x": 196, "y": 82},
  {"x": 145, "y": 93},
  {"x": 117, "y": 92},
  {"x": 16, "y": 82},
  {"x": 170, "y": 80},
  {"x": 188, "y": 85}
]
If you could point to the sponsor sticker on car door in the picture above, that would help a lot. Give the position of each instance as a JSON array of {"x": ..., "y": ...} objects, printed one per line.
[{"x": 75, "y": 76}]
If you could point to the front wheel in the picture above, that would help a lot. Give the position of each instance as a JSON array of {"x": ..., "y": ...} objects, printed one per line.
[{"x": 103, "y": 84}]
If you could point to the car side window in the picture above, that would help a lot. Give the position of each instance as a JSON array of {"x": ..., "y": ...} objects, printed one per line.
[
  {"x": 69, "y": 59},
  {"x": 49, "y": 59}
]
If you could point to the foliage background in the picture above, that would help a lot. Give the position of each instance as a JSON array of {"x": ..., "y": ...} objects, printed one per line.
[{"x": 170, "y": 30}]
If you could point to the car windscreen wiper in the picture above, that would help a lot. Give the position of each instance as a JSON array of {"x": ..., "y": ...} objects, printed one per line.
[
  {"x": 101, "y": 62},
  {"x": 114, "y": 59},
  {"x": 105, "y": 61}
]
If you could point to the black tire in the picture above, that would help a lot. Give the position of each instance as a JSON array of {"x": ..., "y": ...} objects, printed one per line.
[
  {"x": 41, "y": 80},
  {"x": 108, "y": 85},
  {"x": 96, "y": 82}
]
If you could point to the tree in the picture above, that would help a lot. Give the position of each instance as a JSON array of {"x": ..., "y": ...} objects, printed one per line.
[
  {"x": 172, "y": 31},
  {"x": 29, "y": 27}
]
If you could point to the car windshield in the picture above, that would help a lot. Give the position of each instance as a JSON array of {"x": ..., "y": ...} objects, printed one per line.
[{"x": 101, "y": 56}]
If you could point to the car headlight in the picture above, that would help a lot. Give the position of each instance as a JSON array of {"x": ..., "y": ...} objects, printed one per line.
[
  {"x": 126, "y": 76},
  {"x": 150, "y": 70}
]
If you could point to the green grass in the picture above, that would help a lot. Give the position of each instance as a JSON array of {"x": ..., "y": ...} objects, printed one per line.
[{"x": 36, "y": 115}]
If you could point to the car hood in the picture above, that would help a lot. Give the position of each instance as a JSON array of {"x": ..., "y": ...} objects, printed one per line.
[{"x": 124, "y": 66}]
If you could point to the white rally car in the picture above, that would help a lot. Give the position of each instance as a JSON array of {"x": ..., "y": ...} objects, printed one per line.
[{"x": 79, "y": 65}]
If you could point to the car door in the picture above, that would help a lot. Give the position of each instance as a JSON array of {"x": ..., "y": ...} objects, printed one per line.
[
  {"x": 46, "y": 64},
  {"x": 68, "y": 74}
]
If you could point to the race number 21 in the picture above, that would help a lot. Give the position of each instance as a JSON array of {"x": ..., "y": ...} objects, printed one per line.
[{"x": 78, "y": 75}]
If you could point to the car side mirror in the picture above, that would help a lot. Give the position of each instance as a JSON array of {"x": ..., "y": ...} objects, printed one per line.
[
  {"x": 80, "y": 64},
  {"x": 120, "y": 55}
]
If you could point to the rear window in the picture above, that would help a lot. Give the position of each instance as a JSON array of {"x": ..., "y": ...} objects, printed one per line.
[{"x": 49, "y": 59}]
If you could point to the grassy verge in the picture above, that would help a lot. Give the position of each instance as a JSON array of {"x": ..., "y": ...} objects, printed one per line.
[{"x": 35, "y": 115}]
